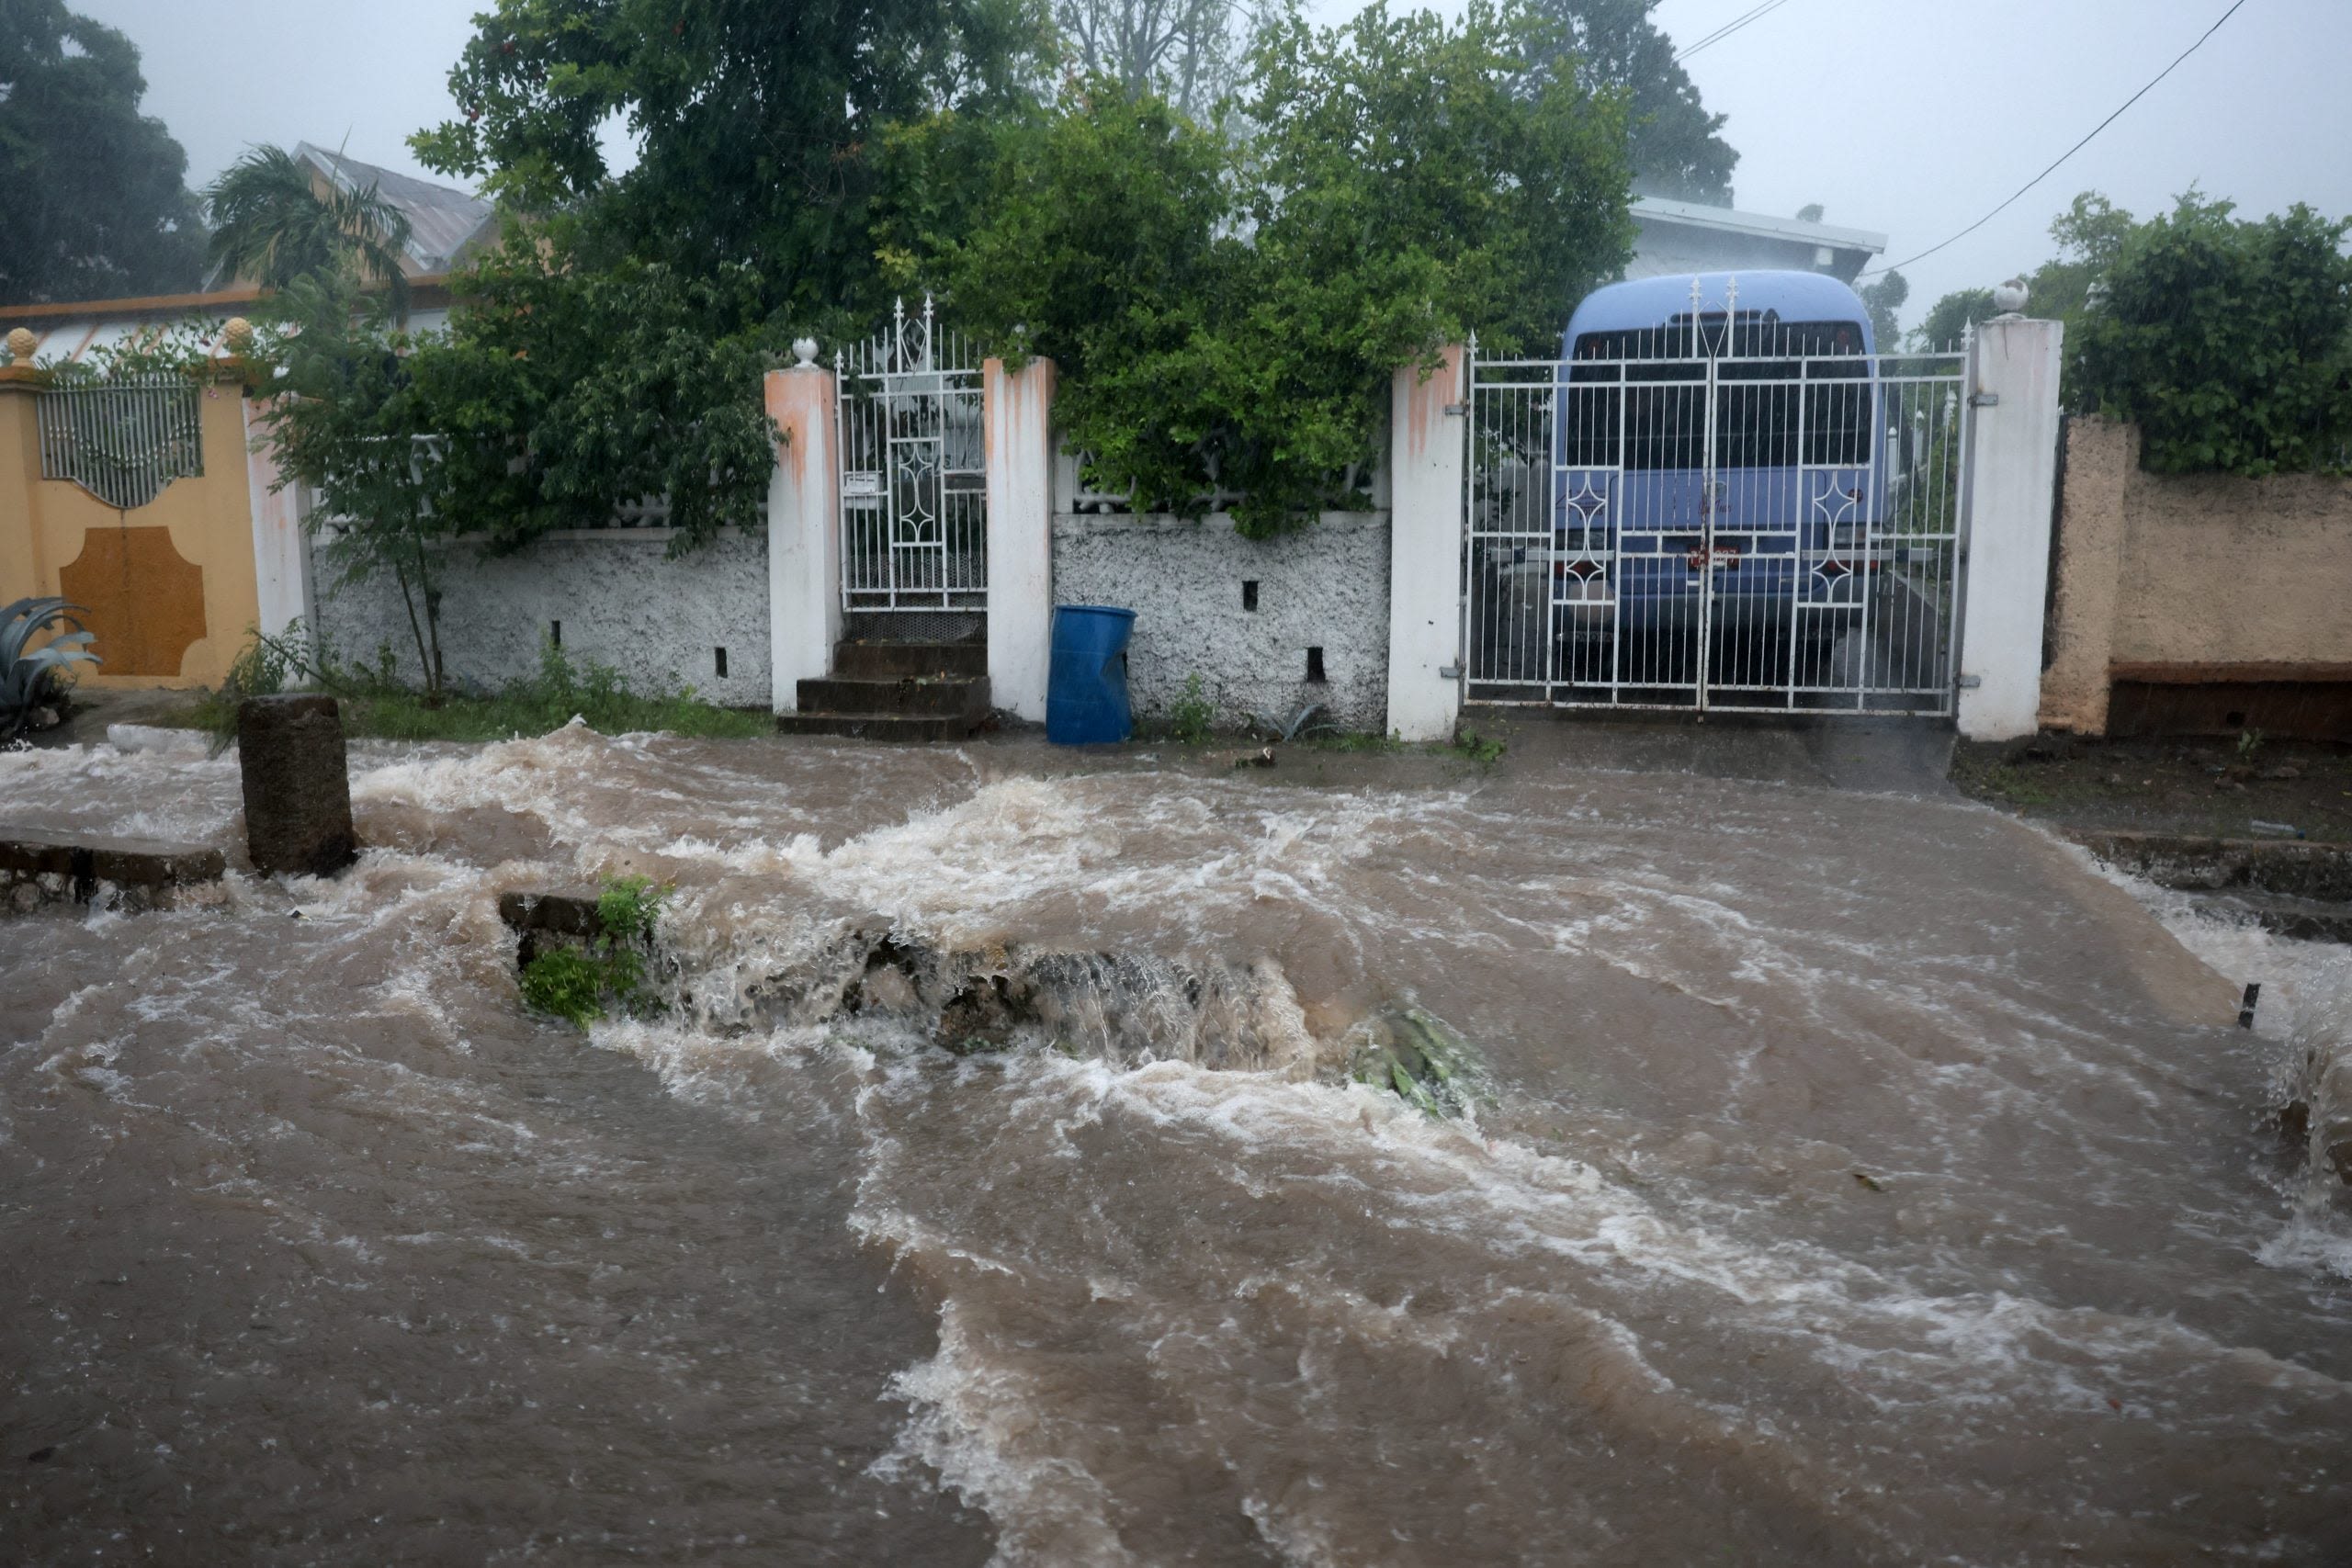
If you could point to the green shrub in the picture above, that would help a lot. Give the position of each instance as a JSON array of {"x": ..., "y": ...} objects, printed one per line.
[
  {"x": 2228, "y": 343},
  {"x": 566, "y": 982},
  {"x": 1192, "y": 716},
  {"x": 579, "y": 984},
  {"x": 1483, "y": 750}
]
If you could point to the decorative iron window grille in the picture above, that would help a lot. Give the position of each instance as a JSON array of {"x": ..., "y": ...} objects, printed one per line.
[{"x": 123, "y": 440}]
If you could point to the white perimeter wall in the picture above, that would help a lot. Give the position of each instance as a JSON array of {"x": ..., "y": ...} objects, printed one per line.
[
  {"x": 1324, "y": 585},
  {"x": 657, "y": 621}
]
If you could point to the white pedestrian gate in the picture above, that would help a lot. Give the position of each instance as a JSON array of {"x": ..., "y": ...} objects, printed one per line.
[
  {"x": 913, "y": 471},
  {"x": 1725, "y": 512}
]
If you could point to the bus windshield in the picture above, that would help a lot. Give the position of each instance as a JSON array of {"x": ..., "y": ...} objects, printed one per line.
[{"x": 1785, "y": 393}]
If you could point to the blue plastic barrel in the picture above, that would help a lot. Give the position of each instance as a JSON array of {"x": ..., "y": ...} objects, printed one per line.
[{"x": 1086, "y": 688}]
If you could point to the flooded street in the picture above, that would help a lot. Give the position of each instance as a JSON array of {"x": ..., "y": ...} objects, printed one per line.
[{"x": 1854, "y": 1175}]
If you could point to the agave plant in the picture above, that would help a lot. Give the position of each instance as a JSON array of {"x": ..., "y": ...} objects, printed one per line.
[
  {"x": 1293, "y": 726},
  {"x": 28, "y": 675}
]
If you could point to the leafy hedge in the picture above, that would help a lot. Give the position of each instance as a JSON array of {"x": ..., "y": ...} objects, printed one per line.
[{"x": 2228, "y": 343}]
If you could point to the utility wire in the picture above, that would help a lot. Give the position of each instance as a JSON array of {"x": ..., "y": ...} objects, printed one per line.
[
  {"x": 2069, "y": 153},
  {"x": 1730, "y": 27}
]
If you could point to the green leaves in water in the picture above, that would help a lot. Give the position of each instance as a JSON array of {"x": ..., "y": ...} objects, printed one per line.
[
  {"x": 580, "y": 983},
  {"x": 1417, "y": 1057}
]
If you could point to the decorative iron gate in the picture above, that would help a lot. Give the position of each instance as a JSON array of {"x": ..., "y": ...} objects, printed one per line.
[
  {"x": 914, "y": 471},
  {"x": 122, "y": 440},
  {"x": 1728, "y": 513}
]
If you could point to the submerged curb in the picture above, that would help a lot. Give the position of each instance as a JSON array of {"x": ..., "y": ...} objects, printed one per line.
[{"x": 40, "y": 867}]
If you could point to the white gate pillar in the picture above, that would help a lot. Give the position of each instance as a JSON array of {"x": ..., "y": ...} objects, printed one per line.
[
  {"x": 1018, "y": 409},
  {"x": 1425, "y": 550},
  {"x": 281, "y": 555},
  {"x": 804, "y": 533},
  {"x": 282, "y": 586},
  {"x": 2013, "y": 368}
]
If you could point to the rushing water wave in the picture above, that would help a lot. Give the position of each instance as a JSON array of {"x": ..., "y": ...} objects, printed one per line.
[{"x": 1853, "y": 1177}]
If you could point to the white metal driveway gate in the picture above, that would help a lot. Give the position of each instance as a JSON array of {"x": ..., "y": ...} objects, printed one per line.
[
  {"x": 1729, "y": 513},
  {"x": 914, "y": 471}
]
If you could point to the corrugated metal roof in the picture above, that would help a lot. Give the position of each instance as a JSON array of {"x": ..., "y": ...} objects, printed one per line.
[{"x": 441, "y": 218}]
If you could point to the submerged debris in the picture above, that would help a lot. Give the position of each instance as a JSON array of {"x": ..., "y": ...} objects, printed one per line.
[
  {"x": 1416, "y": 1056},
  {"x": 581, "y": 954}
]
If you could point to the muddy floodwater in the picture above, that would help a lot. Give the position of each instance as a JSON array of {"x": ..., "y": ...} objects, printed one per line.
[{"x": 1850, "y": 1177}]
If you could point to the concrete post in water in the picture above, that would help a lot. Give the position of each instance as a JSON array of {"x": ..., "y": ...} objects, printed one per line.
[
  {"x": 804, "y": 528},
  {"x": 2012, "y": 490},
  {"x": 1017, "y": 412},
  {"x": 298, "y": 788},
  {"x": 1425, "y": 550}
]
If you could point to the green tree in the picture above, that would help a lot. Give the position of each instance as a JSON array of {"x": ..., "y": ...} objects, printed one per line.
[
  {"x": 271, "y": 226},
  {"x": 93, "y": 199},
  {"x": 565, "y": 389},
  {"x": 2229, "y": 341},
  {"x": 1947, "y": 320},
  {"x": 351, "y": 423},
  {"x": 2090, "y": 235},
  {"x": 1883, "y": 300},
  {"x": 1187, "y": 51},
  {"x": 1226, "y": 313},
  {"x": 755, "y": 123},
  {"x": 1675, "y": 146}
]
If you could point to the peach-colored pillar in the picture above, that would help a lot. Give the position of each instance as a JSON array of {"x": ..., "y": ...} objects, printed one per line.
[{"x": 804, "y": 529}]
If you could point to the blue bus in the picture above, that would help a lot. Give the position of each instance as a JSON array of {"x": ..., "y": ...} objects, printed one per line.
[{"x": 1715, "y": 489}]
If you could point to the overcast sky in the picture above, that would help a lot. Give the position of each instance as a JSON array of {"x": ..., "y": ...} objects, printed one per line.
[{"x": 1910, "y": 118}]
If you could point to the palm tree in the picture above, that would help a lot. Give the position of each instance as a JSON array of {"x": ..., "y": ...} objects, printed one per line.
[{"x": 270, "y": 224}]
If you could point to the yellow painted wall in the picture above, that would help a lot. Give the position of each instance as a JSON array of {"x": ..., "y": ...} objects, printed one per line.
[{"x": 45, "y": 526}]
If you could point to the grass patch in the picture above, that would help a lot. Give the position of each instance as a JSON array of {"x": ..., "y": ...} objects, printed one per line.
[
  {"x": 376, "y": 706},
  {"x": 1483, "y": 750}
]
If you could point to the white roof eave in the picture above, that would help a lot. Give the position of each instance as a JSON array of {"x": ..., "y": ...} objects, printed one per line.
[{"x": 1726, "y": 220}]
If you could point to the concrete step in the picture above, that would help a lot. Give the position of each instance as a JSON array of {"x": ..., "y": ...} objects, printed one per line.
[
  {"x": 921, "y": 694},
  {"x": 889, "y": 660},
  {"x": 880, "y": 726}
]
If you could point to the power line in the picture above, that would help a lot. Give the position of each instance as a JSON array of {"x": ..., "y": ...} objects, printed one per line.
[
  {"x": 2069, "y": 153},
  {"x": 1730, "y": 27}
]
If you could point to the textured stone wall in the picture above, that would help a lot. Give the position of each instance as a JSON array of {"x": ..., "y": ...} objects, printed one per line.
[
  {"x": 2219, "y": 570},
  {"x": 2101, "y": 457},
  {"x": 2186, "y": 578},
  {"x": 1325, "y": 585},
  {"x": 657, "y": 621}
]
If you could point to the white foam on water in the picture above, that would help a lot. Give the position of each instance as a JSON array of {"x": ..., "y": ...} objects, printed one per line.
[
  {"x": 969, "y": 1425},
  {"x": 2306, "y": 1011}
]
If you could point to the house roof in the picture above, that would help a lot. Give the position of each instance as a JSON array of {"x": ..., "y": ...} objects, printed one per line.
[
  {"x": 1758, "y": 225},
  {"x": 444, "y": 222}
]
